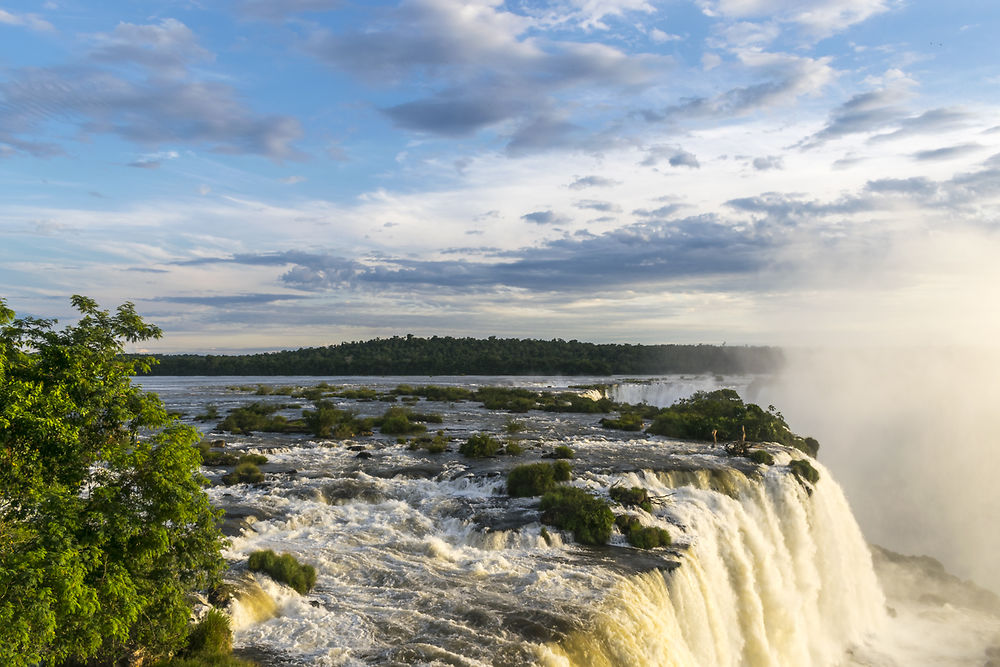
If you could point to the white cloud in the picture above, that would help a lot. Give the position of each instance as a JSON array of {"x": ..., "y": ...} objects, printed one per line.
[
  {"x": 31, "y": 21},
  {"x": 661, "y": 37},
  {"x": 820, "y": 18},
  {"x": 166, "y": 48}
]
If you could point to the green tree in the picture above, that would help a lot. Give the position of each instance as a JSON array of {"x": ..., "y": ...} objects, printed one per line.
[{"x": 105, "y": 529}]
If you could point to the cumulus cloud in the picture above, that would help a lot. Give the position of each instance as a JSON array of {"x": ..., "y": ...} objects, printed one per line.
[
  {"x": 768, "y": 162},
  {"x": 158, "y": 102},
  {"x": 226, "y": 300},
  {"x": 946, "y": 153},
  {"x": 864, "y": 113},
  {"x": 545, "y": 132},
  {"x": 820, "y": 18},
  {"x": 482, "y": 66},
  {"x": 932, "y": 121},
  {"x": 584, "y": 182},
  {"x": 659, "y": 251},
  {"x": 595, "y": 205},
  {"x": 31, "y": 21},
  {"x": 153, "y": 160},
  {"x": 166, "y": 49},
  {"x": 590, "y": 14},
  {"x": 675, "y": 157},
  {"x": 662, "y": 212},
  {"x": 543, "y": 218},
  {"x": 783, "y": 78}
]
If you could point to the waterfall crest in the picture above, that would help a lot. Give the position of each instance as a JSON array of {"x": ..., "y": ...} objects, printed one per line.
[{"x": 774, "y": 575}]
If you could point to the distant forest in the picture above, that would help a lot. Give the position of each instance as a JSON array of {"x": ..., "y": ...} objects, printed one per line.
[{"x": 411, "y": 355}]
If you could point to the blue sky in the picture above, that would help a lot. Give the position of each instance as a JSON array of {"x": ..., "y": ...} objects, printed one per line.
[{"x": 263, "y": 175}]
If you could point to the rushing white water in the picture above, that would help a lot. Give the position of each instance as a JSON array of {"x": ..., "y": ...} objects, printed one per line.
[
  {"x": 423, "y": 559},
  {"x": 664, "y": 391},
  {"x": 773, "y": 576}
]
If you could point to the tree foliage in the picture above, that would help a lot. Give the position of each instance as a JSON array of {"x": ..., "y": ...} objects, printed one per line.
[
  {"x": 445, "y": 355},
  {"x": 104, "y": 526},
  {"x": 722, "y": 415}
]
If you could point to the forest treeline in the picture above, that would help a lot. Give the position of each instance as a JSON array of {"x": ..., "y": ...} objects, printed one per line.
[{"x": 412, "y": 355}]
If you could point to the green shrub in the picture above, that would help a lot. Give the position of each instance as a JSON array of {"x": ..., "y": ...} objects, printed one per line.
[
  {"x": 562, "y": 470},
  {"x": 568, "y": 401},
  {"x": 211, "y": 413},
  {"x": 437, "y": 446},
  {"x": 399, "y": 421},
  {"x": 803, "y": 470},
  {"x": 259, "y": 417},
  {"x": 635, "y": 496},
  {"x": 532, "y": 479},
  {"x": 444, "y": 394},
  {"x": 572, "y": 508},
  {"x": 244, "y": 473},
  {"x": 480, "y": 445},
  {"x": 627, "y": 421},
  {"x": 328, "y": 421},
  {"x": 513, "y": 399},
  {"x": 761, "y": 456},
  {"x": 309, "y": 393},
  {"x": 433, "y": 445},
  {"x": 362, "y": 394},
  {"x": 256, "y": 459},
  {"x": 427, "y": 418},
  {"x": 212, "y": 635},
  {"x": 642, "y": 537},
  {"x": 809, "y": 445},
  {"x": 513, "y": 448},
  {"x": 284, "y": 568},
  {"x": 513, "y": 426},
  {"x": 214, "y": 457},
  {"x": 563, "y": 452},
  {"x": 722, "y": 414}
]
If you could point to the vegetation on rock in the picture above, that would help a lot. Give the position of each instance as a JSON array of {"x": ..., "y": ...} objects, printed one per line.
[
  {"x": 562, "y": 470},
  {"x": 244, "y": 473},
  {"x": 284, "y": 568},
  {"x": 627, "y": 421},
  {"x": 400, "y": 421},
  {"x": 635, "y": 496},
  {"x": 531, "y": 479},
  {"x": 480, "y": 445},
  {"x": 513, "y": 448},
  {"x": 642, "y": 537},
  {"x": 722, "y": 415},
  {"x": 212, "y": 636},
  {"x": 803, "y": 470},
  {"x": 259, "y": 416},
  {"x": 563, "y": 452},
  {"x": 571, "y": 508},
  {"x": 434, "y": 445},
  {"x": 325, "y": 420}
]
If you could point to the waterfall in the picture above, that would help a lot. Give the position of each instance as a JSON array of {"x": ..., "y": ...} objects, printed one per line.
[
  {"x": 663, "y": 392},
  {"x": 774, "y": 575}
]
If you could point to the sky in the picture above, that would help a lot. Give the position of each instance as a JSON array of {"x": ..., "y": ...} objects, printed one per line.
[{"x": 261, "y": 175}]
